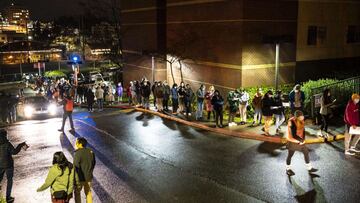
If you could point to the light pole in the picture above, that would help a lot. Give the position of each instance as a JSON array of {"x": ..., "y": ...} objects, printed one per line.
[
  {"x": 277, "y": 50},
  {"x": 152, "y": 69}
]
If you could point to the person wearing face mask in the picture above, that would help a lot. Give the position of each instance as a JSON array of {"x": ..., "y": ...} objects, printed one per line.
[
  {"x": 351, "y": 119},
  {"x": 296, "y": 142},
  {"x": 326, "y": 103},
  {"x": 296, "y": 99},
  {"x": 267, "y": 104}
]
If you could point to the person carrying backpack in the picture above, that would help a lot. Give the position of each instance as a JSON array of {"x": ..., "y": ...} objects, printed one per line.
[{"x": 60, "y": 179}]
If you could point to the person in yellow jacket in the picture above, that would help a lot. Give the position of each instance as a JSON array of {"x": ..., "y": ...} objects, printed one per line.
[{"x": 60, "y": 179}]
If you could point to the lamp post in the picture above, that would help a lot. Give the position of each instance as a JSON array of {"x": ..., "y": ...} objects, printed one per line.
[{"x": 277, "y": 50}]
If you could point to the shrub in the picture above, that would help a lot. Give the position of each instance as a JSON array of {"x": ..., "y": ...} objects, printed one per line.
[{"x": 55, "y": 74}]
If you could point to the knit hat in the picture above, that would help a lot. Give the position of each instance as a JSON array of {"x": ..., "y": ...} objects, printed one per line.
[
  {"x": 297, "y": 87},
  {"x": 355, "y": 96}
]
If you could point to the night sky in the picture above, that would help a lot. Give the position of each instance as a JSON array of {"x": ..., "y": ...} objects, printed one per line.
[{"x": 46, "y": 9}]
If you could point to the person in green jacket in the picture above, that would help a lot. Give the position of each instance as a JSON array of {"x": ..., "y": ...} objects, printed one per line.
[{"x": 60, "y": 179}]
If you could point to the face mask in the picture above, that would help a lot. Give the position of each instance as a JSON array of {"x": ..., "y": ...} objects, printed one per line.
[
  {"x": 296, "y": 91},
  {"x": 356, "y": 101},
  {"x": 301, "y": 118}
]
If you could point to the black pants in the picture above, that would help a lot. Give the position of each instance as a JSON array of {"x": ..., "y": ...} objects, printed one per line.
[
  {"x": 292, "y": 147},
  {"x": 90, "y": 106},
  {"x": 166, "y": 104},
  {"x": 187, "y": 106},
  {"x": 325, "y": 122},
  {"x": 9, "y": 176},
  {"x": 219, "y": 115},
  {"x": 209, "y": 114},
  {"x": 67, "y": 114},
  {"x": 175, "y": 105}
]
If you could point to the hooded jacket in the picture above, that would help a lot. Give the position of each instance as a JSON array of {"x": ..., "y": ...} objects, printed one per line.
[
  {"x": 351, "y": 116},
  {"x": 6, "y": 152}
]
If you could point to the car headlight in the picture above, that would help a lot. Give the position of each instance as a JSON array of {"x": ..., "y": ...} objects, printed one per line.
[
  {"x": 28, "y": 110},
  {"x": 52, "y": 109}
]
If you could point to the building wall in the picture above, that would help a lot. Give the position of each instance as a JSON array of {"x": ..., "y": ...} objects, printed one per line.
[
  {"x": 220, "y": 42},
  {"x": 331, "y": 52}
]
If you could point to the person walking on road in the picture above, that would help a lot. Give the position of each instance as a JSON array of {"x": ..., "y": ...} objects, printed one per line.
[
  {"x": 174, "y": 98},
  {"x": 266, "y": 107},
  {"x": 68, "y": 104},
  {"x": 326, "y": 103},
  {"x": 256, "y": 103},
  {"x": 296, "y": 99},
  {"x": 296, "y": 142},
  {"x": 84, "y": 163},
  {"x": 7, "y": 150},
  {"x": 99, "y": 94},
  {"x": 166, "y": 96},
  {"x": 200, "y": 94},
  {"x": 352, "y": 120},
  {"x": 209, "y": 107},
  {"x": 278, "y": 109},
  {"x": 243, "y": 103},
  {"x": 60, "y": 179},
  {"x": 218, "y": 103}
]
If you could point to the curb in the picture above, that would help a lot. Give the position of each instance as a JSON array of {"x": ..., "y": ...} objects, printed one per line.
[{"x": 225, "y": 132}]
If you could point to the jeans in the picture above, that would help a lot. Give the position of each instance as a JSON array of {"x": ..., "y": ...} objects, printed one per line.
[
  {"x": 9, "y": 176},
  {"x": 90, "y": 106},
  {"x": 292, "y": 147},
  {"x": 175, "y": 105},
  {"x": 242, "y": 109},
  {"x": 349, "y": 142},
  {"x": 200, "y": 107},
  {"x": 100, "y": 104},
  {"x": 159, "y": 104},
  {"x": 231, "y": 116},
  {"x": 219, "y": 115},
  {"x": 257, "y": 115},
  {"x": 146, "y": 102},
  {"x": 280, "y": 118},
  {"x": 65, "y": 115},
  {"x": 188, "y": 106},
  {"x": 87, "y": 190},
  {"x": 166, "y": 103}
]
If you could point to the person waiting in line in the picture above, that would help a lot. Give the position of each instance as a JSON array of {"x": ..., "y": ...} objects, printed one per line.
[
  {"x": 266, "y": 107},
  {"x": 218, "y": 103},
  {"x": 209, "y": 107},
  {"x": 146, "y": 91},
  {"x": 189, "y": 95},
  {"x": 182, "y": 93},
  {"x": 174, "y": 98},
  {"x": 243, "y": 103},
  {"x": 296, "y": 99},
  {"x": 352, "y": 120},
  {"x": 119, "y": 92},
  {"x": 99, "y": 94},
  {"x": 90, "y": 98},
  {"x": 166, "y": 95},
  {"x": 159, "y": 95},
  {"x": 256, "y": 103},
  {"x": 7, "y": 150},
  {"x": 233, "y": 100},
  {"x": 68, "y": 104},
  {"x": 325, "y": 104},
  {"x": 133, "y": 93},
  {"x": 60, "y": 179},
  {"x": 278, "y": 110},
  {"x": 200, "y": 94},
  {"x": 153, "y": 92},
  {"x": 296, "y": 142},
  {"x": 138, "y": 93}
]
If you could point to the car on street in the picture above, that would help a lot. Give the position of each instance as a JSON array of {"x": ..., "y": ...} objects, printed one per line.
[{"x": 33, "y": 106}]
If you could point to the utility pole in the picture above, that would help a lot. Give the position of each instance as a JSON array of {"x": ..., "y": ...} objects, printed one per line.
[
  {"x": 153, "y": 69},
  {"x": 277, "y": 50}
]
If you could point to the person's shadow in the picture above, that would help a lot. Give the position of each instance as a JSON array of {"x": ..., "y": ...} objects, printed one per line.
[{"x": 314, "y": 195}]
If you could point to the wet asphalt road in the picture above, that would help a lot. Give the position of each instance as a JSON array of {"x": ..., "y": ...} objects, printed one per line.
[{"x": 143, "y": 158}]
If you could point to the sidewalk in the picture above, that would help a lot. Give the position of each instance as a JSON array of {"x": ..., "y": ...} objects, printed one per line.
[{"x": 242, "y": 131}]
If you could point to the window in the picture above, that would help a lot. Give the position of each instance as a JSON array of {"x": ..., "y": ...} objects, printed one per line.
[
  {"x": 353, "y": 34},
  {"x": 316, "y": 35}
]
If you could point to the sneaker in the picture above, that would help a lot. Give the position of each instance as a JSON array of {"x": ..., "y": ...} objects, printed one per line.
[
  {"x": 353, "y": 149},
  {"x": 290, "y": 172},
  {"x": 278, "y": 131},
  {"x": 349, "y": 153},
  {"x": 61, "y": 130},
  {"x": 319, "y": 133},
  {"x": 313, "y": 170},
  {"x": 263, "y": 129},
  {"x": 10, "y": 199}
]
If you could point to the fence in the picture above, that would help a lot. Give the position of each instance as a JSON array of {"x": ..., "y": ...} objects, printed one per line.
[{"x": 341, "y": 91}]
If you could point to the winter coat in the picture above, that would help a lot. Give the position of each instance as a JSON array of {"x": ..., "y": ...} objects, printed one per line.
[
  {"x": 267, "y": 103},
  {"x": 99, "y": 93},
  {"x": 208, "y": 98},
  {"x": 119, "y": 91},
  {"x": 174, "y": 93},
  {"x": 146, "y": 90},
  {"x": 166, "y": 91},
  {"x": 351, "y": 116},
  {"x": 292, "y": 98},
  {"x": 233, "y": 99},
  {"x": 278, "y": 102},
  {"x": 189, "y": 95},
  {"x": 58, "y": 180},
  {"x": 256, "y": 102},
  {"x": 217, "y": 102},
  {"x": 6, "y": 152},
  {"x": 159, "y": 92},
  {"x": 84, "y": 163},
  {"x": 90, "y": 97},
  {"x": 200, "y": 94}
]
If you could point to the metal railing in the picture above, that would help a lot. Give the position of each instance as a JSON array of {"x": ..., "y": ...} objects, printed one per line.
[{"x": 341, "y": 91}]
